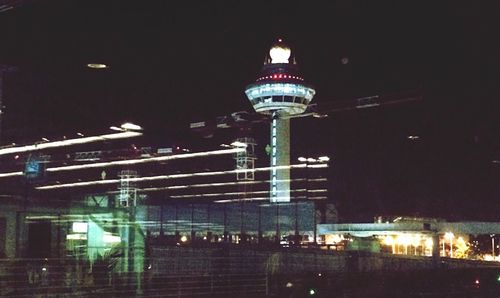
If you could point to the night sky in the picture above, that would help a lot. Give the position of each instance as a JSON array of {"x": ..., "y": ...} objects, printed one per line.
[{"x": 177, "y": 61}]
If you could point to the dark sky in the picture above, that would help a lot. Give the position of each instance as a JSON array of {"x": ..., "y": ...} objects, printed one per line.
[{"x": 176, "y": 61}]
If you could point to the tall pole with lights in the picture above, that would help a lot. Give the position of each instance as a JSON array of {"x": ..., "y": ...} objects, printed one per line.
[{"x": 280, "y": 92}]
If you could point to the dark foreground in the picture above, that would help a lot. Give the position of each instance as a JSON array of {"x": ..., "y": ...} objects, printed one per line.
[{"x": 422, "y": 283}]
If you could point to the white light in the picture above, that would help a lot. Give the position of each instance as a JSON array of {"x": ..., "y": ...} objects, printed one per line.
[
  {"x": 76, "y": 237},
  {"x": 239, "y": 144},
  {"x": 302, "y": 159},
  {"x": 45, "y": 140},
  {"x": 70, "y": 142},
  {"x": 97, "y": 66},
  {"x": 310, "y": 159},
  {"x": 449, "y": 235},
  {"x": 108, "y": 238},
  {"x": 11, "y": 174},
  {"x": 130, "y": 126},
  {"x": 184, "y": 238},
  {"x": 279, "y": 54},
  {"x": 322, "y": 165},
  {"x": 79, "y": 227},
  {"x": 324, "y": 158},
  {"x": 115, "y": 128}
]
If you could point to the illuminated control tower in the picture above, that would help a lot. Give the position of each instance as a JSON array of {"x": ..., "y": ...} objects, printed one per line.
[{"x": 281, "y": 93}]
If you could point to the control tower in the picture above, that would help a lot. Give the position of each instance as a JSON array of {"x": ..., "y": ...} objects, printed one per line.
[{"x": 281, "y": 93}]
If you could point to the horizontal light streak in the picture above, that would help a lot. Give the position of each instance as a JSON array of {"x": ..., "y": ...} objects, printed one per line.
[
  {"x": 145, "y": 160},
  {"x": 70, "y": 142},
  {"x": 12, "y": 174},
  {"x": 132, "y": 161},
  {"x": 152, "y": 159},
  {"x": 315, "y": 166},
  {"x": 219, "y": 194},
  {"x": 317, "y": 190},
  {"x": 166, "y": 177},
  {"x": 267, "y": 199},
  {"x": 217, "y": 184},
  {"x": 240, "y": 193}
]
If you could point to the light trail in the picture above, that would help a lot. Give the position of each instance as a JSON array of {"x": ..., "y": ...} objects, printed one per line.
[
  {"x": 217, "y": 184},
  {"x": 167, "y": 177},
  {"x": 267, "y": 199},
  {"x": 11, "y": 174},
  {"x": 240, "y": 193},
  {"x": 132, "y": 161},
  {"x": 145, "y": 160},
  {"x": 70, "y": 142}
]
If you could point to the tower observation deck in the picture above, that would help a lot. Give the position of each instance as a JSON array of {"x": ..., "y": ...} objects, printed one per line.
[
  {"x": 280, "y": 88},
  {"x": 281, "y": 93}
]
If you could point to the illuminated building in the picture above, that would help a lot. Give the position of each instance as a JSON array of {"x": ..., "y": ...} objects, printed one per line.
[{"x": 413, "y": 236}]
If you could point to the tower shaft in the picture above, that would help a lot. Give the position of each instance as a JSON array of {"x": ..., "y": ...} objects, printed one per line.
[{"x": 280, "y": 160}]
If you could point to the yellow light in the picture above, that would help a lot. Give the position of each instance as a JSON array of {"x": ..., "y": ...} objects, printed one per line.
[
  {"x": 184, "y": 238},
  {"x": 389, "y": 240},
  {"x": 429, "y": 243},
  {"x": 416, "y": 240},
  {"x": 403, "y": 239}
]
